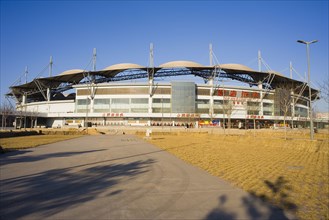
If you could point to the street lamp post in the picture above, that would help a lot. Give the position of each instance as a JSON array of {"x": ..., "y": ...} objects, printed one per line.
[{"x": 309, "y": 83}]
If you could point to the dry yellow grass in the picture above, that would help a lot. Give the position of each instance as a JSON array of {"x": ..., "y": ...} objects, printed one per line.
[
  {"x": 32, "y": 141},
  {"x": 292, "y": 174}
]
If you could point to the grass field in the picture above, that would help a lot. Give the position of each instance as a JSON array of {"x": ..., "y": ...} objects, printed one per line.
[
  {"x": 32, "y": 141},
  {"x": 292, "y": 174}
]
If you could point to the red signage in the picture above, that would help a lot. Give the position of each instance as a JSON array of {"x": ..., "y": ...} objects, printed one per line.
[
  {"x": 234, "y": 93},
  {"x": 255, "y": 116},
  {"x": 187, "y": 115},
  {"x": 113, "y": 114}
]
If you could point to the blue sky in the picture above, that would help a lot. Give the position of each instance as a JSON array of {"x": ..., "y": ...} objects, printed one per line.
[{"x": 121, "y": 31}]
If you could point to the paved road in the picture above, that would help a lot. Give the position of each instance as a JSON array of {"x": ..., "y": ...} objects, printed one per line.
[{"x": 116, "y": 177}]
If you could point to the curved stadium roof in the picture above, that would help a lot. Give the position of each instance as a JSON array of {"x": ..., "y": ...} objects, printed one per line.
[
  {"x": 235, "y": 66},
  {"x": 124, "y": 66},
  {"x": 181, "y": 63},
  {"x": 128, "y": 71},
  {"x": 73, "y": 71}
]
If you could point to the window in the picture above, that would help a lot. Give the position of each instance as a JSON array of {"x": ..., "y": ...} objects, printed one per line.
[
  {"x": 111, "y": 91},
  {"x": 267, "y": 104},
  {"x": 160, "y": 110},
  {"x": 120, "y": 101},
  {"x": 102, "y": 101},
  {"x": 268, "y": 113},
  {"x": 252, "y": 112},
  {"x": 218, "y": 102},
  {"x": 101, "y": 110},
  {"x": 139, "y": 110},
  {"x": 218, "y": 111},
  {"x": 269, "y": 96},
  {"x": 253, "y": 104},
  {"x": 202, "y": 101},
  {"x": 302, "y": 102},
  {"x": 203, "y": 92},
  {"x": 140, "y": 101},
  {"x": 162, "y": 91},
  {"x": 122, "y": 110},
  {"x": 161, "y": 100},
  {"x": 302, "y": 112},
  {"x": 83, "y": 101}
]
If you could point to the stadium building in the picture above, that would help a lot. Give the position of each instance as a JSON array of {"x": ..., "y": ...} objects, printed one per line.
[{"x": 110, "y": 97}]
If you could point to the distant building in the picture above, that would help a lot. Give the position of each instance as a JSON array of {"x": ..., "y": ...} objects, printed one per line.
[{"x": 322, "y": 115}]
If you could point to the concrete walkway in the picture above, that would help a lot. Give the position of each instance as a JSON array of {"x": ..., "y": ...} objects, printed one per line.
[{"x": 117, "y": 177}]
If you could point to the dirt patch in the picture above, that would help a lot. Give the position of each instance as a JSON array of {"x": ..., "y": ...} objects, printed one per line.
[{"x": 70, "y": 131}]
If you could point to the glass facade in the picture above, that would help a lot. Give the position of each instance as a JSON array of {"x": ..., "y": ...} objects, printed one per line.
[
  {"x": 82, "y": 105},
  {"x": 301, "y": 112},
  {"x": 102, "y": 105},
  {"x": 183, "y": 97}
]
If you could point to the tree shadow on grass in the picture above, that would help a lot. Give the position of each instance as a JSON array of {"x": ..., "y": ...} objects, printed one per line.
[
  {"x": 221, "y": 212},
  {"x": 280, "y": 192},
  {"x": 46, "y": 193},
  {"x": 258, "y": 207}
]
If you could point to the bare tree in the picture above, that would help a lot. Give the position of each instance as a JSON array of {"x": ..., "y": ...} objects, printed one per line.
[
  {"x": 22, "y": 115},
  {"x": 6, "y": 110},
  {"x": 228, "y": 109},
  {"x": 253, "y": 108},
  {"x": 282, "y": 104},
  {"x": 33, "y": 116},
  {"x": 324, "y": 90}
]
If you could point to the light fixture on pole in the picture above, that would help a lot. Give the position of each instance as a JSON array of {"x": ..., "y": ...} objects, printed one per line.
[{"x": 309, "y": 83}]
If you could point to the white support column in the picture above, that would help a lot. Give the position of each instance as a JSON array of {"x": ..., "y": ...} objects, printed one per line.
[
  {"x": 94, "y": 64},
  {"x": 26, "y": 72},
  {"x": 24, "y": 99},
  {"x": 92, "y": 97},
  {"x": 150, "y": 96},
  {"x": 210, "y": 55},
  {"x": 308, "y": 109},
  {"x": 151, "y": 76},
  {"x": 259, "y": 61},
  {"x": 91, "y": 105},
  {"x": 48, "y": 94},
  {"x": 211, "y": 101},
  {"x": 51, "y": 66},
  {"x": 94, "y": 59},
  {"x": 260, "y": 86},
  {"x": 292, "y": 108}
]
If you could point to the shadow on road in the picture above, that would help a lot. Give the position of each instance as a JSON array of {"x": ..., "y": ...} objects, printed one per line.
[
  {"x": 19, "y": 157},
  {"x": 50, "y": 192}
]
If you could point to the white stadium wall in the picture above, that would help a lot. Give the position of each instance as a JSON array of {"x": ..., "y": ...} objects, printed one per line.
[
  {"x": 130, "y": 104},
  {"x": 65, "y": 106}
]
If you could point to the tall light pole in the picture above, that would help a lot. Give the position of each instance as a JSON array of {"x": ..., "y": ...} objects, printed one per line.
[{"x": 309, "y": 82}]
